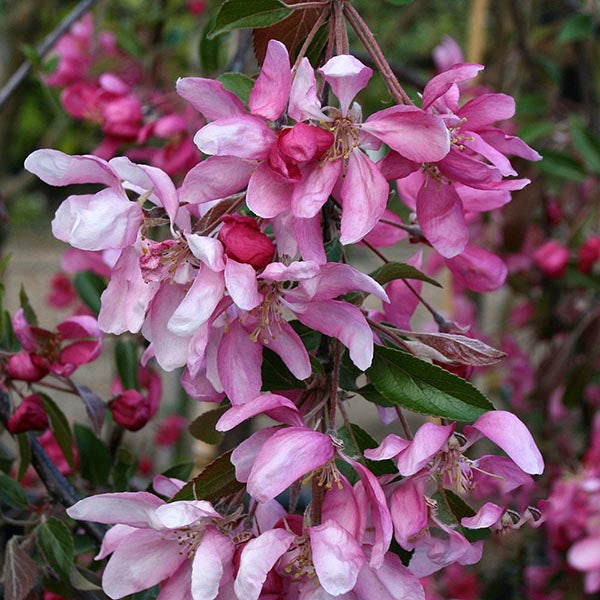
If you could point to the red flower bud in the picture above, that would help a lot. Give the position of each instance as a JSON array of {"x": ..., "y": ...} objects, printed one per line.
[
  {"x": 589, "y": 253},
  {"x": 170, "y": 429},
  {"x": 552, "y": 259},
  {"x": 26, "y": 367},
  {"x": 29, "y": 416},
  {"x": 130, "y": 409},
  {"x": 243, "y": 241}
]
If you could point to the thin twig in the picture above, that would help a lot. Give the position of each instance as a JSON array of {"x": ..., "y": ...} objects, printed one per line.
[
  {"x": 335, "y": 379},
  {"x": 19, "y": 75},
  {"x": 310, "y": 37},
  {"x": 404, "y": 423}
]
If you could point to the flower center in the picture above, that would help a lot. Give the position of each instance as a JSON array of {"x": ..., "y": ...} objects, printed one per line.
[
  {"x": 160, "y": 260},
  {"x": 270, "y": 316},
  {"x": 346, "y": 135}
]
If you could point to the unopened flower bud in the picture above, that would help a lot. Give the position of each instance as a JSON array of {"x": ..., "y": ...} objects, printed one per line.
[
  {"x": 29, "y": 416},
  {"x": 589, "y": 253},
  {"x": 26, "y": 367},
  {"x": 243, "y": 241},
  {"x": 130, "y": 409},
  {"x": 552, "y": 259}
]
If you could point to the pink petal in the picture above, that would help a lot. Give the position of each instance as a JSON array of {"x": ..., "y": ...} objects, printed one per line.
[
  {"x": 304, "y": 103},
  {"x": 509, "y": 144},
  {"x": 256, "y": 560},
  {"x": 127, "y": 296},
  {"x": 395, "y": 166},
  {"x": 296, "y": 271},
  {"x": 241, "y": 283},
  {"x": 337, "y": 557},
  {"x": 488, "y": 515},
  {"x": 584, "y": 555},
  {"x": 284, "y": 458},
  {"x": 142, "y": 559},
  {"x": 390, "y": 447},
  {"x": 199, "y": 303},
  {"x": 277, "y": 407},
  {"x": 498, "y": 473},
  {"x": 413, "y": 133},
  {"x": 209, "y": 97},
  {"x": 184, "y": 513},
  {"x": 57, "y": 168},
  {"x": 215, "y": 177},
  {"x": 403, "y": 302},
  {"x": 23, "y": 331},
  {"x": 477, "y": 269},
  {"x": 457, "y": 166},
  {"x": 347, "y": 76},
  {"x": 244, "y": 136},
  {"x": 391, "y": 581},
  {"x": 309, "y": 234},
  {"x": 315, "y": 187},
  {"x": 244, "y": 456},
  {"x": 212, "y": 556},
  {"x": 508, "y": 431},
  {"x": 441, "y": 83},
  {"x": 271, "y": 91},
  {"x": 486, "y": 109},
  {"x": 113, "y": 537},
  {"x": 441, "y": 217},
  {"x": 428, "y": 441},
  {"x": 344, "y": 322},
  {"x": 478, "y": 145},
  {"x": 136, "y": 509},
  {"x": 97, "y": 222},
  {"x": 239, "y": 362},
  {"x": 208, "y": 250},
  {"x": 268, "y": 194},
  {"x": 409, "y": 188},
  {"x": 342, "y": 506},
  {"x": 290, "y": 348},
  {"x": 409, "y": 511},
  {"x": 481, "y": 200},
  {"x": 177, "y": 587},
  {"x": 167, "y": 486},
  {"x": 364, "y": 195}
]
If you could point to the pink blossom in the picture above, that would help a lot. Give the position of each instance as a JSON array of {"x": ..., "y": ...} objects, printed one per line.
[{"x": 552, "y": 258}]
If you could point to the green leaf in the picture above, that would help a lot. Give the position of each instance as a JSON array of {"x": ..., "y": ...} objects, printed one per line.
[
  {"x": 210, "y": 49},
  {"x": 334, "y": 250},
  {"x": 60, "y": 427},
  {"x": 203, "y": 427},
  {"x": 425, "y": 388},
  {"x": 50, "y": 65},
  {"x": 214, "y": 482},
  {"x": 11, "y": 492},
  {"x": 276, "y": 376},
  {"x": 238, "y": 83},
  {"x": 4, "y": 264},
  {"x": 452, "y": 508},
  {"x": 79, "y": 582},
  {"x": 93, "y": 455},
  {"x": 84, "y": 544},
  {"x": 399, "y": 2},
  {"x": 126, "y": 358},
  {"x": 89, "y": 287},
  {"x": 349, "y": 373},
  {"x": 124, "y": 469},
  {"x": 249, "y": 14},
  {"x": 370, "y": 394},
  {"x": 24, "y": 454},
  {"x": 563, "y": 166},
  {"x": 27, "y": 309},
  {"x": 181, "y": 471},
  {"x": 398, "y": 270},
  {"x": 577, "y": 27},
  {"x": 20, "y": 572},
  {"x": 56, "y": 545},
  {"x": 586, "y": 143},
  {"x": 535, "y": 130}
]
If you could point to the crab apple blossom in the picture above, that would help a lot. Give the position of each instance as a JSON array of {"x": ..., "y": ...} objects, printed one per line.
[{"x": 29, "y": 416}]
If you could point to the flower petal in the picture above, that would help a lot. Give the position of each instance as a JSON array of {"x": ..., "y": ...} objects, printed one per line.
[
  {"x": 270, "y": 93},
  {"x": 214, "y": 553},
  {"x": 486, "y": 109},
  {"x": 347, "y": 76},
  {"x": 241, "y": 283},
  {"x": 315, "y": 187},
  {"x": 441, "y": 83},
  {"x": 268, "y": 194},
  {"x": 428, "y": 441},
  {"x": 304, "y": 103},
  {"x": 210, "y": 98}
]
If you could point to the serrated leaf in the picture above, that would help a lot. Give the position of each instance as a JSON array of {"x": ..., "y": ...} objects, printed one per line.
[
  {"x": 586, "y": 143},
  {"x": 126, "y": 358},
  {"x": 93, "y": 455},
  {"x": 55, "y": 543},
  {"x": 249, "y": 14},
  {"x": 89, "y": 287},
  {"x": 60, "y": 427},
  {"x": 577, "y": 27},
  {"x": 214, "y": 482},
  {"x": 27, "y": 308},
  {"x": 11, "y": 492},
  {"x": 398, "y": 270},
  {"x": 458, "y": 348},
  {"x": 203, "y": 427},
  {"x": 94, "y": 406},
  {"x": 24, "y": 454},
  {"x": 425, "y": 388},
  {"x": 239, "y": 84},
  {"x": 19, "y": 573},
  {"x": 276, "y": 376}
]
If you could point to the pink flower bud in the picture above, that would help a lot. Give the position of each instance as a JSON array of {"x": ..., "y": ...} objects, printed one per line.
[
  {"x": 130, "y": 409},
  {"x": 26, "y": 367},
  {"x": 244, "y": 242},
  {"x": 552, "y": 259},
  {"x": 170, "y": 429},
  {"x": 589, "y": 253},
  {"x": 29, "y": 416},
  {"x": 196, "y": 7}
]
